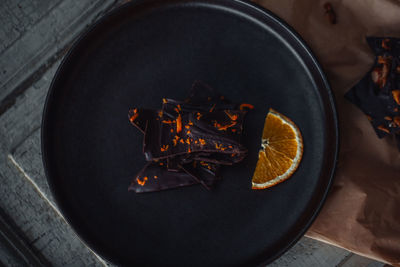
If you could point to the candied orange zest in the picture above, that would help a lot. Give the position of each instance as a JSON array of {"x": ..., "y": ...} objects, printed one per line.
[
  {"x": 388, "y": 118},
  {"x": 386, "y": 44},
  {"x": 384, "y": 59},
  {"x": 231, "y": 116},
  {"x": 179, "y": 124},
  {"x": 187, "y": 127},
  {"x": 155, "y": 176},
  {"x": 164, "y": 148},
  {"x": 218, "y": 146},
  {"x": 167, "y": 121},
  {"x": 245, "y": 105},
  {"x": 202, "y": 141},
  {"x": 165, "y": 101},
  {"x": 190, "y": 123},
  {"x": 396, "y": 96},
  {"x": 224, "y": 127},
  {"x": 182, "y": 141},
  {"x": 384, "y": 129},
  {"x": 142, "y": 182},
  {"x": 396, "y": 120},
  {"x": 134, "y": 117},
  {"x": 198, "y": 115},
  {"x": 212, "y": 108},
  {"x": 160, "y": 113},
  {"x": 175, "y": 140}
]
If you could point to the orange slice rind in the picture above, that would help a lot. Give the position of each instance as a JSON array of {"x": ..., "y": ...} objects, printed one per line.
[{"x": 281, "y": 153}]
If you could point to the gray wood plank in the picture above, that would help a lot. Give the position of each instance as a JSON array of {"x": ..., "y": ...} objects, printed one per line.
[
  {"x": 27, "y": 157},
  {"x": 18, "y": 17},
  {"x": 14, "y": 248},
  {"x": 357, "y": 261},
  {"x": 8, "y": 257},
  {"x": 33, "y": 33},
  {"x": 43, "y": 226},
  {"x": 25, "y": 116},
  {"x": 45, "y": 229},
  {"x": 309, "y": 252}
]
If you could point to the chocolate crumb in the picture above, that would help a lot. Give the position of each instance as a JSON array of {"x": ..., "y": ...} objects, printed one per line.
[
  {"x": 386, "y": 43},
  {"x": 330, "y": 13}
]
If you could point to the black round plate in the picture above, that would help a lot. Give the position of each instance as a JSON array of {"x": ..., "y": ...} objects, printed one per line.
[{"x": 147, "y": 50}]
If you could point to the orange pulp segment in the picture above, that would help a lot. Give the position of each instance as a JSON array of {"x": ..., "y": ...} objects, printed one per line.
[{"x": 281, "y": 153}]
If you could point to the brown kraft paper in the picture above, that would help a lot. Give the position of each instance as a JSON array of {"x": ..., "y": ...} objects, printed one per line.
[{"x": 362, "y": 211}]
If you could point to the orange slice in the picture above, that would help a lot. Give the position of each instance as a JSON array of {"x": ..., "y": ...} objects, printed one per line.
[{"x": 281, "y": 153}]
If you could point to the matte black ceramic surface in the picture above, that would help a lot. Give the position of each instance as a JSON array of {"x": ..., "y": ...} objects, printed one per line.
[{"x": 148, "y": 50}]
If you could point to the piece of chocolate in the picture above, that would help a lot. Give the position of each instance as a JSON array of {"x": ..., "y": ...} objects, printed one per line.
[
  {"x": 378, "y": 93},
  {"x": 154, "y": 177},
  {"x": 186, "y": 141}
]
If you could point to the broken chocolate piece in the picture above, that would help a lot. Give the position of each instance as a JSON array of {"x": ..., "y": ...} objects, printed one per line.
[
  {"x": 154, "y": 177},
  {"x": 378, "y": 93},
  {"x": 186, "y": 141},
  {"x": 396, "y": 96}
]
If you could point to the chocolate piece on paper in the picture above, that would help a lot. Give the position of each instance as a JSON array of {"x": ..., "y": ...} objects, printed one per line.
[{"x": 378, "y": 93}]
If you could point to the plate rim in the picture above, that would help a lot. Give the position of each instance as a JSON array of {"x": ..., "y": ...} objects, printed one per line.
[{"x": 333, "y": 136}]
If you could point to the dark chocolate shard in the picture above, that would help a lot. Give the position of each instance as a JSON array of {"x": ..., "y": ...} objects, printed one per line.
[
  {"x": 155, "y": 177},
  {"x": 186, "y": 141},
  {"x": 378, "y": 92}
]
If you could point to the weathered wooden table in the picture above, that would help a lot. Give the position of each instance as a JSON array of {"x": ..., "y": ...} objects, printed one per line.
[{"x": 34, "y": 37}]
